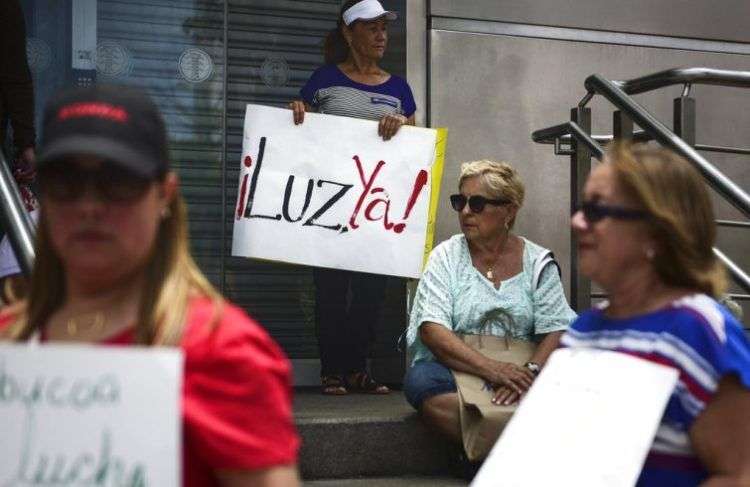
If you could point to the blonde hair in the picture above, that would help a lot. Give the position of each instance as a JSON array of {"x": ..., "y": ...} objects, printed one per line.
[
  {"x": 172, "y": 279},
  {"x": 499, "y": 178},
  {"x": 681, "y": 220}
]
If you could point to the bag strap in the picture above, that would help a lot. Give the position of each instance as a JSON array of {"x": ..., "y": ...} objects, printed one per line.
[{"x": 540, "y": 262}]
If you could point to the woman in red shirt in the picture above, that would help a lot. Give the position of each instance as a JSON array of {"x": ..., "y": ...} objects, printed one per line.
[{"x": 113, "y": 267}]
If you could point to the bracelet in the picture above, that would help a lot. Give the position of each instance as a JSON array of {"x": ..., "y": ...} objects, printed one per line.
[{"x": 533, "y": 367}]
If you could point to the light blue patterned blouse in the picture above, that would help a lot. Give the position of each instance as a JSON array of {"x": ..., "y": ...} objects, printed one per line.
[{"x": 453, "y": 293}]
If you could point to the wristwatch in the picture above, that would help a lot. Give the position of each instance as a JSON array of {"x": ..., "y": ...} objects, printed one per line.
[{"x": 533, "y": 367}]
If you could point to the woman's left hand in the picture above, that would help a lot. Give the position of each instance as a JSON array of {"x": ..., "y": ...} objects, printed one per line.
[
  {"x": 505, "y": 396},
  {"x": 390, "y": 124}
]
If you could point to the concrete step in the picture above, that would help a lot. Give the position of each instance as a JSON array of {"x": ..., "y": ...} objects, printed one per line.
[
  {"x": 355, "y": 436},
  {"x": 390, "y": 482}
]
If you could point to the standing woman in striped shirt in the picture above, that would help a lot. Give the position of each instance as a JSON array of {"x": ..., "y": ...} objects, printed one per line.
[
  {"x": 352, "y": 84},
  {"x": 645, "y": 235}
]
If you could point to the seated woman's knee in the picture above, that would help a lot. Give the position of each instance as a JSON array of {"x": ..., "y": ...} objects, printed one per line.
[{"x": 425, "y": 380}]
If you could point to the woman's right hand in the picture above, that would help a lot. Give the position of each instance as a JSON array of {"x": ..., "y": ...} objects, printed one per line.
[
  {"x": 512, "y": 376},
  {"x": 298, "y": 111}
]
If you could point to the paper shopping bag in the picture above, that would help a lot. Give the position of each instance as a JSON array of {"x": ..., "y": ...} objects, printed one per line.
[{"x": 481, "y": 421}]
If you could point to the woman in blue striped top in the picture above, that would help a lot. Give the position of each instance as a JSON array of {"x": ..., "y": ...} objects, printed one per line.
[
  {"x": 351, "y": 84},
  {"x": 645, "y": 235}
]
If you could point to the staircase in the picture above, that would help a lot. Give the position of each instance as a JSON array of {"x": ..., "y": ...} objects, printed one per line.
[{"x": 370, "y": 440}]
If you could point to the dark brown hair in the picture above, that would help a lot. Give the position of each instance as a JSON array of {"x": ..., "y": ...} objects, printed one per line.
[
  {"x": 335, "y": 48},
  {"x": 681, "y": 214}
]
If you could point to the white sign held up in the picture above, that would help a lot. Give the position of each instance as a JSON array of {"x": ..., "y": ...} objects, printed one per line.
[
  {"x": 588, "y": 421},
  {"x": 82, "y": 416},
  {"x": 331, "y": 193}
]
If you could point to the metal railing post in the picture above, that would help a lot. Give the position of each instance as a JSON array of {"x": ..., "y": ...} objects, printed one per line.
[
  {"x": 666, "y": 137},
  {"x": 580, "y": 166},
  {"x": 622, "y": 126},
  {"x": 16, "y": 220},
  {"x": 684, "y": 118}
]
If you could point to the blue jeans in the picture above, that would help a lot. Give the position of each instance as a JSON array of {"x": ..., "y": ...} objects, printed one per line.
[{"x": 426, "y": 379}]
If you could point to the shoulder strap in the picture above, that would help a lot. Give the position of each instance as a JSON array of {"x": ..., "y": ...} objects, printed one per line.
[{"x": 540, "y": 262}]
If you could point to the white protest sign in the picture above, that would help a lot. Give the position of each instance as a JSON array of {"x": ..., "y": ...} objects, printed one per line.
[
  {"x": 331, "y": 193},
  {"x": 588, "y": 421},
  {"x": 90, "y": 416}
]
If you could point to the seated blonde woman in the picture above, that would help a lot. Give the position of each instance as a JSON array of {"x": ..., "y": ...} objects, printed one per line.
[{"x": 485, "y": 268}]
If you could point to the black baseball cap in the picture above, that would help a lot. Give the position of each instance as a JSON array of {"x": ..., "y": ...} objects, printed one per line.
[{"x": 118, "y": 124}]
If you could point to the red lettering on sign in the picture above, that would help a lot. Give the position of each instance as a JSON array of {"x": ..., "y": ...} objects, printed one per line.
[
  {"x": 241, "y": 202},
  {"x": 367, "y": 183},
  {"x": 379, "y": 201},
  {"x": 419, "y": 183},
  {"x": 248, "y": 161}
]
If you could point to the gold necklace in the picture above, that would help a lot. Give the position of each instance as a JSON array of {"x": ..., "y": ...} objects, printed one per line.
[
  {"x": 489, "y": 274},
  {"x": 94, "y": 323}
]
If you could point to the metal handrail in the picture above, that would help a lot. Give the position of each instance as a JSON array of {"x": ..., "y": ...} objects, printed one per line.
[
  {"x": 722, "y": 184},
  {"x": 571, "y": 129},
  {"x": 617, "y": 93},
  {"x": 720, "y": 148},
  {"x": 642, "y": 136},
  {"x": 690, "y": 76},
  {"x": 16, "y": 219},
  {"x": 732, "y": 223},
  {"x": 738, "y": 275}
]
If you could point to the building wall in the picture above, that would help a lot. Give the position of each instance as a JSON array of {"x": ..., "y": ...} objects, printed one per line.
[
  {"x": 494, "y": 71},
  {"x": 696, "y": 19}
]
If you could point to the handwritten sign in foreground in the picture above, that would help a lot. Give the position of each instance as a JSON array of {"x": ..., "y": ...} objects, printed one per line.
[
  {"x": 331, "y": 193},
  {"x": 86, "y": 416},
  {"x": 588, "y": 421}
]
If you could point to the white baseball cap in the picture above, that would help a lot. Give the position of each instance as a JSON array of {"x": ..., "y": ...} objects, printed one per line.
[{"x": 367, "y": 10}]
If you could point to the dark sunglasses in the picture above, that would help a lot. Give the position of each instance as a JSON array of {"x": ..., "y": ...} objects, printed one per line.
[
  {"x": 476, "y": 202},
  {"x": 66, "y": 183},
  {"x": 594, "y": 212}
]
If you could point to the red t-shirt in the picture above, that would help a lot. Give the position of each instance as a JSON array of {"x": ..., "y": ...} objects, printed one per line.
[{"x": 236, "y": 398}]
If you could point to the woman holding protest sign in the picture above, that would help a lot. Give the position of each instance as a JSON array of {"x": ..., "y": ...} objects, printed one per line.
[
  {"x": 113, "y": 268},
  {"x": 646, "y": 232},
  {"x": 352, "y": 84},
  {"x": 485, "y": 281}
]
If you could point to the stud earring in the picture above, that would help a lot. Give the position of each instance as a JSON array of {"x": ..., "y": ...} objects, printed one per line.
[
  {"x": 165, "y": 213},
  {"x": 650, "y": 253}
]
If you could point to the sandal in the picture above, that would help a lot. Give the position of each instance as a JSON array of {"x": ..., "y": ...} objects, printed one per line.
[
  {"x": 333, "y": 385},
  {"x": 362, "y": 382}
]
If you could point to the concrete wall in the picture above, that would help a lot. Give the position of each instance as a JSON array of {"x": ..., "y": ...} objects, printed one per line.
[
  {"x": 494, "y": 71},
  {"x": 696, "y": 19}
]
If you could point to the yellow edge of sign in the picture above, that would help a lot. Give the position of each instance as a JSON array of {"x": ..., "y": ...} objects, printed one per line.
[{"x": 436, "y": 177}]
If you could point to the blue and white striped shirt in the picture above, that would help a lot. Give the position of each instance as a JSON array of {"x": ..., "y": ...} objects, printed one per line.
[
  {"x": 330, "y": 91},
  {"x": 698, "y": 337}
]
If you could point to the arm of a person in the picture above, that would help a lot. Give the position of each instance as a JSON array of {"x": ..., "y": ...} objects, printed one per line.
[
  {"x": 455, "y": 354},
  {"x": 552, "y": 315},
  {"x": 720, "y": 436},
  {"x": 505, "y": 395},
  {"x": 237, "y": 404},
  {"x": 549, "y": 344},
  {"x": 282, "y": 476},
  {"x": 391, "y": 123},
  {"x": 298, "y": 108}
]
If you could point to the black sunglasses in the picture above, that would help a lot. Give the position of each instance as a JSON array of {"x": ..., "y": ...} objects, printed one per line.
[
  {"x": 594, "y": 212},
  {"x": 476, "y": 202},
  {"x": 66, "y": 183}
]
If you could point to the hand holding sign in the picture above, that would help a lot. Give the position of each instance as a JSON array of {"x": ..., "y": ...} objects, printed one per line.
[{"x": 331, "y": 184}]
